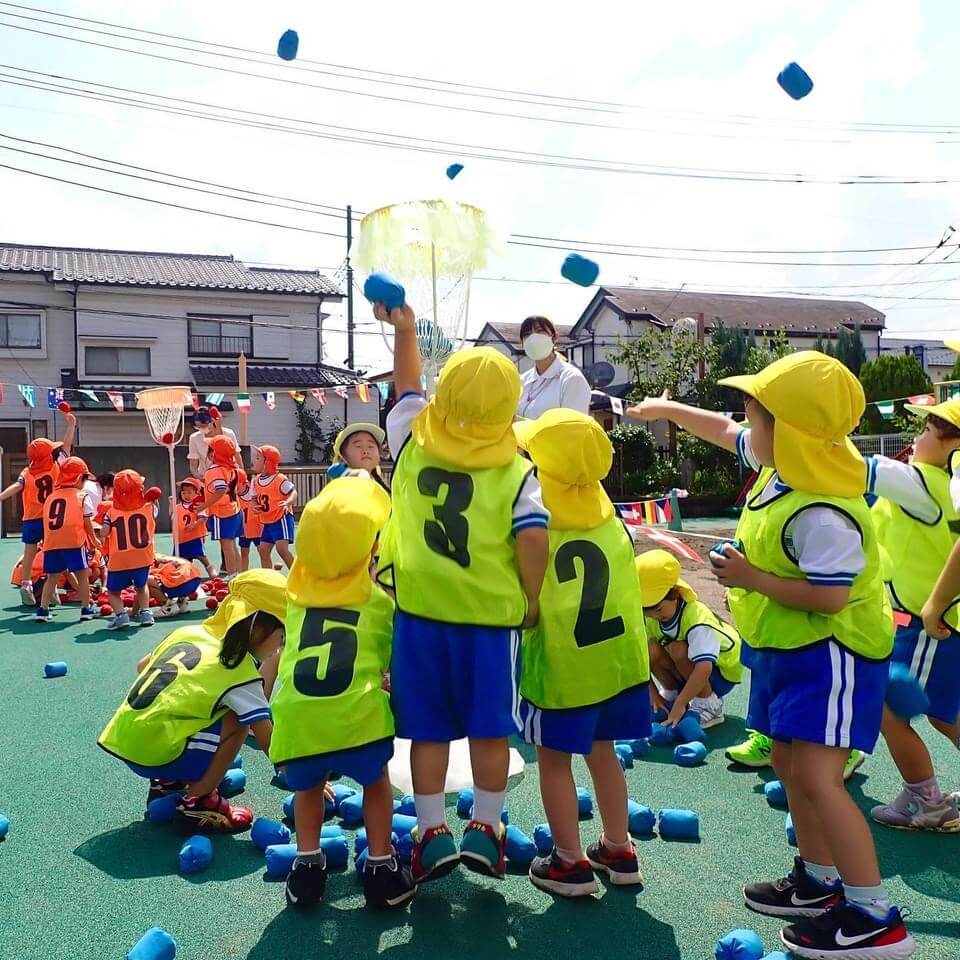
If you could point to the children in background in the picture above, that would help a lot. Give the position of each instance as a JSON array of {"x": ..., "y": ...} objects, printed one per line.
[
  {"x": 129, "y": 528},
  {"x": 197, "y": 696},
  {"x": 357, "y": 447},
  {"x": 807, "y": 596},
  {"x": 468, "y": 551},
  {"x": 67, "y": 528},
  {"x": 917, "y": 522},
  {"x": 252, "y": 528},
  {"x": 585, "y": 667},
  {"x": 331, "y": 714},
  {"x": 694, "y": 655},
  {"x": 220, "y": 484},
  {"x": 35, "y": 577},
  {"x": 35, "y": 484},
  {"x": 172, "y": 578},
  {"x": 273, "y": 496},
  {"x": 191, "y": 528}
]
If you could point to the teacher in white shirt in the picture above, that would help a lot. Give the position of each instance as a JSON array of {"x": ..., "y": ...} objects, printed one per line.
[{"x": 551, "y": 382}]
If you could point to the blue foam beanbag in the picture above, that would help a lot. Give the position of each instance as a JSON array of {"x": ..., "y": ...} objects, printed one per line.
[
  {"x": 679, "y": 825},
  {"x": 404, "y": 847},
  {"x": 163, "y": 809},
  {"x": 465, "y": 803},
  {"x": 267, "y": 833},
  {"x": 403, "y": 823},
  {"x": 776, "y": 794},
  {"x": 719, "y": 549},
  {"x": 408, "y": 806},
  {"x": 237, "y": 762},
  {"x": 55, "y": 669},
  {"x": 640, "y": 819},
  {"x": 196, "y": 854},
  {"x": 382, "y": 288},
  {"x": 336, "y": 850},
  {"x": 661, "y": 736},
  {"x": 330, "y": 830},
  {"x": 520, "y": 849},
  {"x": 624, "y": 743},
  {"x": 288, "y": 806},
  {"x": 279, "y": 859},
  {"x": 624, "y": 755},
  {"x": 640, "y": 747},
  {"x": 453, "y": 170},
  {"x": 233, "y": 782},
  {"x": 360, "y": 842},
  {"x": 690, "y": 754},
  {"x": 287, "y": 45},
  {"x": 776, "y": 955},
  {"x": 155, "y": 944},
  {"x": 584, "y": 803},
  {"x": 505, "y": 814},
  {"x": 659, "y": 715},
  {"x": 543, "y": 839},
  {"x": 739, "y": 945},
  {"x": 580, "y": 270},
  {"x": 688, "y": 730},
  {"x": 791, "y": 833},
  {"x": 795, "y": 81},
  {"x": 351, "y": 810},
  {"x": 340, "y": 793},
  {"x": 4, "y": 826},
  {"x": 905, "y": 697}
]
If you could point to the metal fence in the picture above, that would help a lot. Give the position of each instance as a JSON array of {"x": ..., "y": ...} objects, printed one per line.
[{"x": 886, "y": 444}]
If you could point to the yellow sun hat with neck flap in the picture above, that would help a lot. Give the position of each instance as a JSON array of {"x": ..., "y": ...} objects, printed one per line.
[
  {"x": 659, "y": 572},
  {"x": 250, "y": 592},
  {"x": 468, "y": 421},
  {"x": 572, "y": 455},
  {"x": 815, "y": 402},
  {"x": 949, "y": 410}
]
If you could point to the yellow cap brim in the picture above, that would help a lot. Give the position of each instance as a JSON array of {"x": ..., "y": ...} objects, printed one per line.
[
  {"x": 524, "y": 431},
  {"x": 745, "y": 383},
  {"x": 949, "y": 411},
  {"x": 952, "y": 345}
]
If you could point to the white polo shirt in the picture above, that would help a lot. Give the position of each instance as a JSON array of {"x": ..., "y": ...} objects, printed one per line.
[
  {"x": 199, "y": 450},
  {"x": 560, "y": 385}
]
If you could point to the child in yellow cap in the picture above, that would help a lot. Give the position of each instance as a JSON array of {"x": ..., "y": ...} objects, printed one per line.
[
  {"x": 585, "y": 673},
  {"x": 332, "y": 717},
  {"x": 694, "y": 655},
  {"x": 917, "y": 523},
  {"x": 467, "y": 554},
  {"x": 806, "y": 594},
  {"x": 357, "y": 447}
]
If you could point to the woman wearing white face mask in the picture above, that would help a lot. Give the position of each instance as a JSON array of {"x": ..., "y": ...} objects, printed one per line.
[{"x": 551, "y": 382}]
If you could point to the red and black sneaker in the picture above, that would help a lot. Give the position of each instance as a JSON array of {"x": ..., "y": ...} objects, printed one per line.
[
  {"x": 564, "y": 879},
  {"x": 212, "y": 814},
  {"x": 622, "y": 869},
  {"x": 795, "y": 895},
  {"x": 163, "y": 788},
  {"x": 849, "y": 933}
]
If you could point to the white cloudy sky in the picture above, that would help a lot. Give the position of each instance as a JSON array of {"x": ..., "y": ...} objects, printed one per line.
[{"x": 689, "y": 70}]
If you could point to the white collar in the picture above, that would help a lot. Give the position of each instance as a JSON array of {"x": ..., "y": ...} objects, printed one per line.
[{"x": 552, "y": 372}]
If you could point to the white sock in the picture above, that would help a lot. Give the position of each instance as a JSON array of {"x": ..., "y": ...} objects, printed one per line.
[
  {"x": 872, "y": 900},
  {"x": 669, "y": 695},
  {"x": 488, "y": 806},
  {"x": 825, "y": 876},
  {"x": 570, "y": 856},
  {"x": 430, "y": 811}
]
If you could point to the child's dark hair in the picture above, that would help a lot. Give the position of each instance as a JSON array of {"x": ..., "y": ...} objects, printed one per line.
[
  {"x": 945, "y": 430},
  {"x": 105, "y": 480},
  {"x": 236, "y": 642}
]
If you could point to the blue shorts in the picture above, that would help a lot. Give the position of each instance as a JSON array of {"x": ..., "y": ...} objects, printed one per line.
[
  {"x": 32, "y": 531},
  {"x": 822, "y": 693},
  {"x": 282, "y": 529},
  {"x": 247, "y": 542},
  {"x": 450, "y": 681},
  {"x": 225, "y": 528},
  {"x": 936, "y": 665},
  {"x": 192, "y": 764},
  {"x": 119, "y": 579},
  {"x": 720, "y": 685},
  {"x": 625, "y": 716},
  {"x": 364, "y": 764},
  {"x": 192, "y": 550},
  {"x": 73, "y": 559},
  {"x": 184, "y": 590}
]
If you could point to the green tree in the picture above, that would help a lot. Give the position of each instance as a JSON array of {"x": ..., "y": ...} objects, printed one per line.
[
  {"x": 824, "y": 346},
  {"x": 314, "y": 437},
  {"x": 660, "y": 361},
  {"x": 850, "y": 349},
  {"x": 890, "y": 378},
  {"x": 769, "y": 349}
]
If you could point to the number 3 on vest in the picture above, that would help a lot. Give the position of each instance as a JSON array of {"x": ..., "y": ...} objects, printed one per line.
[{"x": 448, "y": 534}]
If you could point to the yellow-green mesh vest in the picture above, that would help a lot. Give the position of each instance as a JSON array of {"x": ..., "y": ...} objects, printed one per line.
[
  {"x": 918, "y": 550},
  {"x": 590, "y": 643},
  {"x": 695, "y": 614},
  {"x": 863, "y": 626},
  {"x": 450, "y": 540},
  {"x": 178, "y": 694},
  {"x": 329, "y": 695}
]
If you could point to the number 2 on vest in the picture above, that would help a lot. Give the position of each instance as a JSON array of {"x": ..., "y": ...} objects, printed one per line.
[
  {"x": 341, "y": 638},
  {"x": 590, "y": 627},
  {"x": 161, "y": 673},
  {"x": 449, "y": 532}
]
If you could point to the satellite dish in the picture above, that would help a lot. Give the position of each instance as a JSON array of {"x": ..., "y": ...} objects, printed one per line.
[
  {"x": 685, "y": 326},
  {"x": 600, "y": 374}
]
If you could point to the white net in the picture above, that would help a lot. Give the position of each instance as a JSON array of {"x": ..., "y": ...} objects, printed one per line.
[{"x": 163, "y": 408}]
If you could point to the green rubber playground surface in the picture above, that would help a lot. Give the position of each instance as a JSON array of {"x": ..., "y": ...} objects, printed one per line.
[{"x": 82, "y": 875}]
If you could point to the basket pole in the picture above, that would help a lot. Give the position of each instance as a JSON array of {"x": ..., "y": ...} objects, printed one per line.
[{"x": 173, "y": 502}]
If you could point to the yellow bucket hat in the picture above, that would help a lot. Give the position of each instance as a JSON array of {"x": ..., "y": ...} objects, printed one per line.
[
  {"x": 334, "y": 543},
  {"x": 815, "y": 402},
  {"x": 350, "y": 429},
  {"x": 659, "y": 572},
  {"x": 468, "y": 421},
  {"x": 572, "y": 455},
  {"x": 250, "y": 592},
  {"x": 949, "y": 410}
]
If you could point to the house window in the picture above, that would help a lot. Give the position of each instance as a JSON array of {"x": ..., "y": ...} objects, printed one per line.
[
  {"x": 123, "y": 361},
  {"x": 20, "y": 331},
  {"x": 214, "y": 337}
]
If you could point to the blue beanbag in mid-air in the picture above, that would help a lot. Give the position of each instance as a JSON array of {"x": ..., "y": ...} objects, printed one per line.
[
  {"x": 641, "y": 819},
  {"x": 155, "y": 944},
  {"x": 905, "y": 697},
  {"x": 382, "y": 288},
  {"x": 196, "y": 854},
  {"x": 580, "y": 270},
  {"x": 679, "y": 825},
  {"x": 543, "y": 838},
  {"x": 795, "y": 81},
  {"x": 520, "y": 849},
  {"x": 288, "y": 44},
  {"x": 739, "y": 945},
  {"x": 690, "y": 754},
  {"x": 453, "y": 170}
]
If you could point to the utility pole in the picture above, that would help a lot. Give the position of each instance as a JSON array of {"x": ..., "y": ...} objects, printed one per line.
[{"x": 349, "y": 288}]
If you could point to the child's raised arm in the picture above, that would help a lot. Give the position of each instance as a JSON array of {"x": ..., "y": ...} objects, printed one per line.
[
  {"x": 69, "y": 432},
  {"x": 10, "y": 491},
  {"x": 406, "y": 349},
  {"x": 713, "y": 427}
]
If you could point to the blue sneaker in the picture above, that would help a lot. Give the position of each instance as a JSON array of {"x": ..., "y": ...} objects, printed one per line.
[
  {"x": 482, "y": 849},
  {"x": 435, "y": 855},
  {"x": 43, "y": 615},
  {"x": 118, "y": 621},
  {"x": 143, "y": 618},
  {"x": 89, "y": 613}
]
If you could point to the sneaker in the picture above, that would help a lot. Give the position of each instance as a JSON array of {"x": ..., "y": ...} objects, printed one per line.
[
  {"x": 912, "y": 812},
  {"x": 795, "y": 895},
  {"x": 387, "y": 884},
  {"x": 43, "y": 615},
  {"x": 26, "y": 595},
  {"x": 564, "y": 879},
  {"x": 163, "y": 788},
  {"x": 183, "y": 605},
  {"x": 855, "y": 761},
  {"x": 753, "y": 752},
  {"x": 89, "y": 613},
  {"x": 144, "y": 618},
  {"x": 118, "y": 621},
  {"x": 622, "y": 869},
  {"x": 435, "y": 855},
  {"x": 849, "y": 933},
  {"x": 307, "y": 881},
  {"x": 212, "y": 814},
  {"x": 482, "y": 849},
  {"x": 709, "y": 709}
]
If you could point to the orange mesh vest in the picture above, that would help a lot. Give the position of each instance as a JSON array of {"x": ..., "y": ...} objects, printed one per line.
[
  {"x": 131, "y": 537},
  {"x": 227, "y": 505},
  {"x": 63, "y": 527},
  {"x": 36, "y": 489}
]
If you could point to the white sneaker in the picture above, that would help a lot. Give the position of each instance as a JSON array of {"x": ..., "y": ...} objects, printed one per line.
[
  {"x": 710, "y": 710},
  {"x": 26, "y": 595}
]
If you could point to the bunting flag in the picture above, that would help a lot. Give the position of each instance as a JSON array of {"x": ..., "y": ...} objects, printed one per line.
[
  {"x": 341, "y": 392},
  {"x": 214, "y": 398},
  {"x": 54, "y": 397},
  {"x": 28, "y": 394},
  {"x": 269, "y": 399},
  {"x": 116, "y": 399},
  {"x": 243, "y": 402},
  {"x": 616, "y": 405},
  {"x": 885, "y": 407},
  {"x": 645, "y": 512},
  {"x": 91, "y": 394},
  {"x": 383, "y": 387},
  {"x": 671, "y": 542},
  {"x": 320, "y": 395},
  {"x": 298, "y": 397},
  {"x": 922, "y": 400},
  {"x": 363, "y": 392},
  {"x": 195, "y": 400}
]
